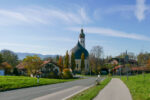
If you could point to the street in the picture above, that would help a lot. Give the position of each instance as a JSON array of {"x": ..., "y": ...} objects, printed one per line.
[{"x": 48, "y": 92}]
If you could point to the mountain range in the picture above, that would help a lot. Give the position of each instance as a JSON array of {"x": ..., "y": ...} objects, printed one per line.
[{"x": 23, "y": 55}]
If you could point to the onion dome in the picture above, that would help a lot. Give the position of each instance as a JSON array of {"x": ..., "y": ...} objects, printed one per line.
[
  {"x": 78, "y": 50},
  {"x": 82, "y": 35}
]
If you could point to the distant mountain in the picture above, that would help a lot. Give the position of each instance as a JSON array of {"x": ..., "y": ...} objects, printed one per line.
[{"x": 23, "y": 55}]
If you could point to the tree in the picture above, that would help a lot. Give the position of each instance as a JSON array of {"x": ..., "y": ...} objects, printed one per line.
[
  {"x": 131, "y": 55},
  {"x": 10, "y": 57},
  {"x": 67, "y": 60},
  {"x": 32, "y": 64},
  {"x": 60, "y": 63},
  {"x": 148, "y": 64},
  {"x": 82, "y": 63},
  {"x": 1, "y": 59},
  {"x": 95, "y": 59},
  {"x": 7, "y": 67},
  {"x": 73, "y": 63},
  {"x": 143, "y": 58}
]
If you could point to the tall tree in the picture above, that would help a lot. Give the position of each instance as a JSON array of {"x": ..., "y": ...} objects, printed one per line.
[
  {"x": 67, "y": 60},
  {"x": 1, "y": 59},
  {"x": 82, "y": 63},
  {"x": 143, "y": 58},
  {"x": 32, "y": 64},
  {"x": 73, "y": 63},
  {"x": 60, "y": 63},
  {"x": 95, "y": 58},
  {"x": 10, "y": 57}
]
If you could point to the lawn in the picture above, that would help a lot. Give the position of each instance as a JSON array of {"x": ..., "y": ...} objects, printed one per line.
[
  {"x": 139, "y": 86},
  {"x": 92, "y": 92},
  {"x": 14, "y": 82}
]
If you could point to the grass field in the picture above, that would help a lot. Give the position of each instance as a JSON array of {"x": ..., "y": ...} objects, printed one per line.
[
  {"x": 90, "y": 93},
  {"x": 139, "y": 86},
  {"x": 14, "y": 82}
]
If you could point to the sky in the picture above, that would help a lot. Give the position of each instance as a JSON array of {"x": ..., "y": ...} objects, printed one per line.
[{"x": 53, "y": 26}]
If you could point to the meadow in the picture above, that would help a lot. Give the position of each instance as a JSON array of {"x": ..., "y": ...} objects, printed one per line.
[
  {"x": 15, "y": 82},
  {"x": 139, "y": 86}
]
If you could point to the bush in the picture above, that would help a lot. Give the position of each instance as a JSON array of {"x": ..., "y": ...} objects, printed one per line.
[
  {"x": 52, "y": 75},
  {"x": 67, "y": 74}
]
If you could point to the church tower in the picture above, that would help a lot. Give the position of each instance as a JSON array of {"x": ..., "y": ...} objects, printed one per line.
[{"x": 82, "y": 38}]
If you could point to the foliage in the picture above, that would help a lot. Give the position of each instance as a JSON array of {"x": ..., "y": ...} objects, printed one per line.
[
  {"x": 1, "y": 58},
  {"x": 15, "y": 71},
  {"x": 9, "y": 57},
  {"x": 14, "y": 82},
  {"x": 32, "y": 64},
  {"x": 95, "y": 59},
  {"x": 131, "y": 55},
  {"x": 73, "y": 63},
  {"x": 67, "y": 60},
  {"x": 138, "y": 86},
  {"x": 90, "y": 93},
  {"x": 67, "y": 74},
  {"x": 148, "y": 64},
  {"x": 82, "y": 63},
  {"x": 7, "y": 68},
  {"x": 143, "y": 58},
  {"x": 60, "y": 63}
]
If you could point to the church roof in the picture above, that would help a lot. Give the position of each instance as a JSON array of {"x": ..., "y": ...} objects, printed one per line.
[
  {"x": 78, "y": 50},
  {"x": 82, "y": 35}
]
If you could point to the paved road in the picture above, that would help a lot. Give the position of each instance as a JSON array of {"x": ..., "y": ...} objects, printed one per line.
[
  {"x": 48, "y": 92},
  {"x": 115, "y": 90}
]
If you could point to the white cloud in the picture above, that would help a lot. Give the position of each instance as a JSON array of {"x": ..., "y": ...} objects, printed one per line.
[
  {"x": 111, "y": 32},
  {"x": 43, "y": 16},
  {"x": 140, "y": 9}
]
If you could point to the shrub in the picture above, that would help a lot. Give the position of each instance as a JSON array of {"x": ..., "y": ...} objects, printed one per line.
[{"x": 67, "y": 73}]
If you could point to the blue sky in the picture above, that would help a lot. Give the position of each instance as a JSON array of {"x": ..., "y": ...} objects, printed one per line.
[{"x": 53, "y": 26}]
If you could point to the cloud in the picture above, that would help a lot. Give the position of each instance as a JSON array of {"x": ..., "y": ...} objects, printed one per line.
[
  {"x": 137, "y": 10},
  {"x": 140, "y": 9},
  {"x": 112, "y": 33},
  {"x": 32, "y": 15}
]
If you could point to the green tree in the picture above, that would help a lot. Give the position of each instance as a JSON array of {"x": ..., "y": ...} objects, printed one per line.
[
  {"x": 73, "y": 63},
  {"x": 82, "y": 63},
  {"x": 32, "y": 64},
  {"x": 1, "y": 59},
  {"x": 10, "y": 57},
  {"x": 67, "y": 60}
]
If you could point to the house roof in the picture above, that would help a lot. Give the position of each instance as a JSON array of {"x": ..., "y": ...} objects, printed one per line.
[{"x": 78, "y": 50}]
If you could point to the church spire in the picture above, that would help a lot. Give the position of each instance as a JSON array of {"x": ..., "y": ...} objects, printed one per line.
[{"x": 82, "y": 38}]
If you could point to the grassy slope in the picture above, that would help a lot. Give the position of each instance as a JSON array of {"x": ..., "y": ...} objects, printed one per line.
[
  {"x": 14, "y": 82},
  {"x": 90, "y": 93},
  {"x": 139, "y": 86}
]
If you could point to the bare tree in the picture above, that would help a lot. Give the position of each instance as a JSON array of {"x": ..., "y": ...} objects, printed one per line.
[{"x": 95, "y": 58}]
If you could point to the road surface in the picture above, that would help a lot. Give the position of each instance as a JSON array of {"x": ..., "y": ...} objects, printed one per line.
[
  {"x": 48, "y": 92},
  {"x": 115, "y": 90}
]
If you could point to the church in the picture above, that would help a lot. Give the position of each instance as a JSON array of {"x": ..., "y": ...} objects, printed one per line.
[{"x": 78, "y": 50}]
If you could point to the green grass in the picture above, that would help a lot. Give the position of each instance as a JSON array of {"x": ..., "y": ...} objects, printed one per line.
[
  {"x": 139, "y": 86},
  {"x": 90, "y": 93},
  {"x": 14, "y": 82}
]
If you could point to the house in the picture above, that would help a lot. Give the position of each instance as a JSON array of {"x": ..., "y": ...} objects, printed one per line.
[
  {"x": 48, "y": 67},
  {"x": 78, "y": 50}
]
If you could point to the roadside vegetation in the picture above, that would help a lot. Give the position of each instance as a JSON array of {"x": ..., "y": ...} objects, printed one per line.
[
  {"x": 139, "y": 86},
  {"x": 92, "y": 92},
  {"x": 14, "y": 82}
]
